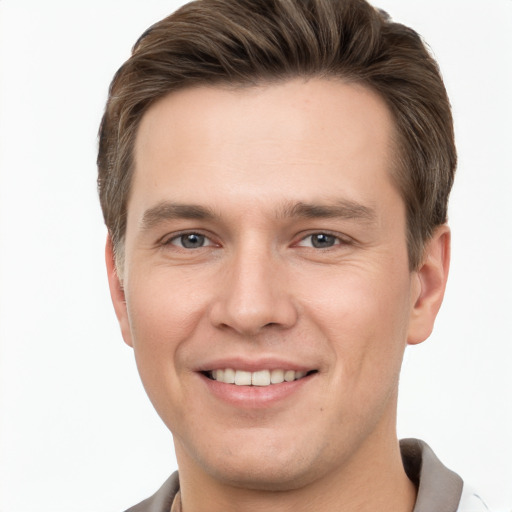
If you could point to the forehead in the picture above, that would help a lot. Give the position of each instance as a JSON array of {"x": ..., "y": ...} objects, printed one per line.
[{"x": 276, "y": 140}]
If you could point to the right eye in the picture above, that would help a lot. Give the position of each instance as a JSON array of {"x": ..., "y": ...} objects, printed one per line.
[{"x": 190, "y": 241}]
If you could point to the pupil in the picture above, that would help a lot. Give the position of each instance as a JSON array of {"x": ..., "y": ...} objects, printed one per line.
[
  {"x": 192, "y": 241},
  {"x": 322, "y": 240}
]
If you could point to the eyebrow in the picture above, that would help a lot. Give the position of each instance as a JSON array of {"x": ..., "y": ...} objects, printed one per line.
[
  {"x": 170, "y": 211},
  {"x": 345, "y": 209}
]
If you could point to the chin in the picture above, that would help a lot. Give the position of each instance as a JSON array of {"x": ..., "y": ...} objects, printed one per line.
[
  {"x": 271, "y": 466},
  {"x": 266, "y": 477}
]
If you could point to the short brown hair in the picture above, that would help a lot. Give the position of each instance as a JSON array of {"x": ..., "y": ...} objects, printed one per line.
[{"x": 248, "y": 42}]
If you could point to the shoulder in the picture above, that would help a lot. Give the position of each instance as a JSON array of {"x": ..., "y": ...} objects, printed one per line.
[{"x": 162, "y": 500}]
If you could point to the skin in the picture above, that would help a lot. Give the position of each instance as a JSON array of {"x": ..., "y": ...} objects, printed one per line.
[{"x": 259, "y": 290}]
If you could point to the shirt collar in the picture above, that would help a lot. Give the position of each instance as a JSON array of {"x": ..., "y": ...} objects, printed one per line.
[{"x": 439, "y": 488}]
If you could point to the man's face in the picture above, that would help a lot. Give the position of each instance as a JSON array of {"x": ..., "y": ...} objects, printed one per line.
[{"x": 265, "y": 237}]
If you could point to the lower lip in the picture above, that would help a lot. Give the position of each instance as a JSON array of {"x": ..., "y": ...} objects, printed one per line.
[{"x": 254, "y": 397}]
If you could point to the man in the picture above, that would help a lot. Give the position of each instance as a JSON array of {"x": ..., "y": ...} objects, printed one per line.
[{"x": 274, "y": 176}]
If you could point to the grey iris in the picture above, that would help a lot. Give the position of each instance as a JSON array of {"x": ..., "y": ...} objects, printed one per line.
[
  {"x": 192, "y": 241},
  {"x": 322, "y": 240}
]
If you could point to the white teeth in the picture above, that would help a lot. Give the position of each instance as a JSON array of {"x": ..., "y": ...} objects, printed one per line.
[
  {"x": 258, "y": 378},
  {"x": 289, "y": 375},
  {"x": 261, "y": 378},
  {"x": 277, "y": 376},
  {"x": 243, "y": 378},
  {"x": 229, "y": 376}
]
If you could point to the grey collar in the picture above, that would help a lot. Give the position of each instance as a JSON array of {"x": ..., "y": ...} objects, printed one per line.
[{"x": 439, "y": 489}]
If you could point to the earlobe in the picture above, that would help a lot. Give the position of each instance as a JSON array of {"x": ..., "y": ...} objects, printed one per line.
[
  {"x": 431, "y": 280},
  {"x": 117, "y": 292}
]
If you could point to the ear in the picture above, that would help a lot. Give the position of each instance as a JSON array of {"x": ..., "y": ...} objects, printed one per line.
[
  {"x": 430, "y": 285},
  {"x": 117, "y": 293}
]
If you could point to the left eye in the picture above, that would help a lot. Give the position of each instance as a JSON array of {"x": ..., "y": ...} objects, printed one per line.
[
  {"x": 319, "y": 241},
  {"x": 190, "y": 241}
]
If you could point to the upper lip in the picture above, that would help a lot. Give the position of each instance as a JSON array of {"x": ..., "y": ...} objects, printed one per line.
[{"x": 253, "y": 365}]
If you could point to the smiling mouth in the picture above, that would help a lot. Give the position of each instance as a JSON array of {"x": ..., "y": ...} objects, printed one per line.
[{"x": 258, "y": 378}]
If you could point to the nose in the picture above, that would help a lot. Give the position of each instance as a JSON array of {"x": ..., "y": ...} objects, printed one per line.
[{"x": 254, "y": 294}]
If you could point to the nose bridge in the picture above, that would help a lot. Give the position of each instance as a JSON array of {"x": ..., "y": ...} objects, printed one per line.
[{"x": 254, "y": 293}]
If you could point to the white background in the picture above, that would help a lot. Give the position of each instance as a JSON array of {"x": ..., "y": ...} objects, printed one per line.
[{"x": 76, "y": 430}]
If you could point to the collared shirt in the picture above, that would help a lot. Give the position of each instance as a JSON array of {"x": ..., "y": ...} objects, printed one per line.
[{"x": 439, "y": 488}]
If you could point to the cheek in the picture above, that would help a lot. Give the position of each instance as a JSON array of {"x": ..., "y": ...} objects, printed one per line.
[
  {"x": 377, "y": 298},
  {"x": 364, "y": 316},
  {"x": 162, "y": 309},
  {"x": 162, "y": 318}
]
